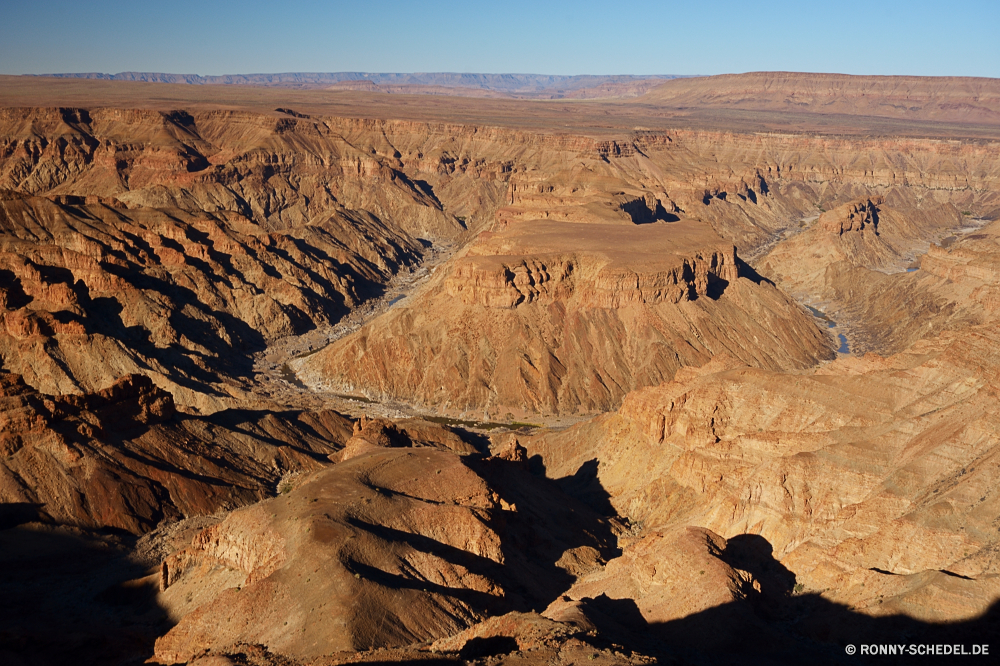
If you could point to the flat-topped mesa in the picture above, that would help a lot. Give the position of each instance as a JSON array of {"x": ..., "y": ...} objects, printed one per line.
[
  {"x": 507, "y": 282},
  {"x": 855, "y": 215},
  {"x": 557, "y": 318}
]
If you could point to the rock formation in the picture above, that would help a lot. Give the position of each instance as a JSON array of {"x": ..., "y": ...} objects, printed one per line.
[
  {"x": 868, "y": 232},
  {"x": 90, "y": 291},
  {"x": 122, "y": 458},
  {"x": 528, "y": 321},
  {"x": 745, "y": 451},
  {"x": 742, "y": 493},
  {"x": 395, "y": 545}
]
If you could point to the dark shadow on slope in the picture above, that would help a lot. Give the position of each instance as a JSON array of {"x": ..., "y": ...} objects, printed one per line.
[
  {"x": 232, "y": 356},
  {"x": 747, "y": 271},
  {"x": 477, "y": 440},
  {"x": 716, "y": 286},
  {"x": 478, "y": 648},
  {"x": 250, "y": 423},
  {"x": 161, "y": 470},
  {"x": 15, "y": 296},
  {"x": 813, "y": 630},
  {"x": 753, "y": 553},
  {"x": 472, "y": 598},
  {"x": 545, "y": 527},
  {"x": 19, "y": 513},
  {"x": 640, "y": 212},
  {"x": 619, "y": 621},
  {"x": 74, "y": 598},
  {"x": 481, "y": 601},
  {"x": 775, "y": 626},
  {"x": 585, "y": 486}
]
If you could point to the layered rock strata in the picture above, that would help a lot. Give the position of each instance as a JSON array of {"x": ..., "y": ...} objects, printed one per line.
[
  {"x": 397, "y": 544},
  {"x": 122, "y": 458},
  {"x": 565, "y": 318},
  {"x": 908, "y": 527}
]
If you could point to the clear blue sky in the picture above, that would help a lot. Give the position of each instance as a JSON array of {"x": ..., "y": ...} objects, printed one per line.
[{"x": 226, "y": 37}]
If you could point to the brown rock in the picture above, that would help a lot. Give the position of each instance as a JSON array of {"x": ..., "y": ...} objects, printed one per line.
[
  {"x": 394, "y": 546},
  {"x": 576, "y": 331},
  {"x": 122, "y": 458}
]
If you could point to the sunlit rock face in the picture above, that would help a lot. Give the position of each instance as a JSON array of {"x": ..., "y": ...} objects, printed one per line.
[{"x": 739, "y": 491}]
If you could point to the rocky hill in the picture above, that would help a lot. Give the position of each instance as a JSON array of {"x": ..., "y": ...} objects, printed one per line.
[
  {"x": 526, "y": 323},
  {"x": 232, "y": 325}
]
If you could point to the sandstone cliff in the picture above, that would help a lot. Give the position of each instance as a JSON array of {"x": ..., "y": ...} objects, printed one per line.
[
  {"x": 541, "y": 318},
  {"x": 121, "y": 458},
  {"x": 908, "y": 526}
]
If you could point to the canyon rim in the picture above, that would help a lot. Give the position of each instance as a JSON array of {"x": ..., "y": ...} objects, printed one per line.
[{"x": 316, "y": 370}]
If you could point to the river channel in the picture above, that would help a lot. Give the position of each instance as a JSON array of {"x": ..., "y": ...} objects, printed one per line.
[{"x": 844, "y": 348}]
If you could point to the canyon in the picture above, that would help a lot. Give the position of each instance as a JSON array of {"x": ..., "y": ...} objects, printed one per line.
[{"x": 294, "y": 374}]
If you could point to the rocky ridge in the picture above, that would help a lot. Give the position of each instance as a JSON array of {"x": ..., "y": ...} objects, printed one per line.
[
  {"x": 183, "y": 297},
  {"x": 908, "y": 528},
  {"x": 123, "y": 459},
  {"x": 368, "y": 555},
  {"x": 396, "y": 541},
  {"x": 942, "y": 99},
  {"x": 569, "y": 332}
]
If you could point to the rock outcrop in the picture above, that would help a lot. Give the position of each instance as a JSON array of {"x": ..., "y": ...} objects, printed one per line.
[
  {"x": 908, "y": 527},
  {"x": 122, "y": 458},
  {"x": 396, "y": 545},
  {"x": 868, "y": 232},
  {"x": 559, "y": 318}
]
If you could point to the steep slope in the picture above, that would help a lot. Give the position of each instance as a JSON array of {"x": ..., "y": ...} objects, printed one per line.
[
  {"x": 546, "y": 318},
  {"x": 91, "y": 291},
  {"x": 909, "y": 525},
  {"x": 121, "y": 458},
  {"x": 850, "y": 263},
  {"x": 955, "y": 287},
  {"x": 369, "y": 555}
]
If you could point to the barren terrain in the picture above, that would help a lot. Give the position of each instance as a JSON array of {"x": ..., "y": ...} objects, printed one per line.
[{"x": 295, "y": 375}]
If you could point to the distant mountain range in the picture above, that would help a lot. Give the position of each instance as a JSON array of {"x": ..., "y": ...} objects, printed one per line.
[{"x": 505, "y": 83}]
